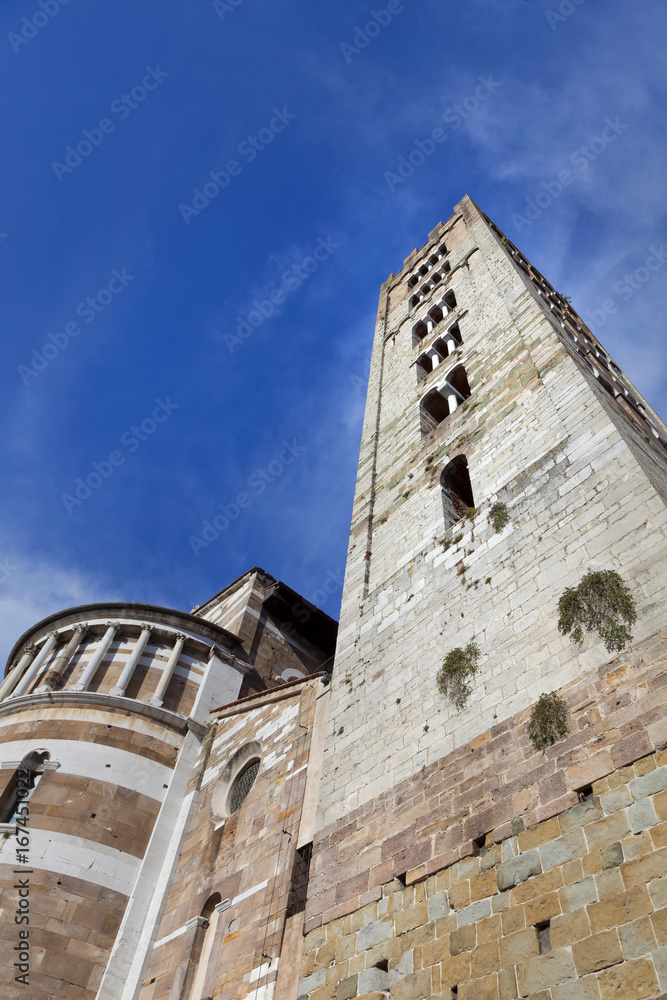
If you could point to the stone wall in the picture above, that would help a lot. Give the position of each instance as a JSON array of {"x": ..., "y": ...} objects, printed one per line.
[
  {"x": 245, "y": 859},
  {"x": 537, "y": 436},
  {"x": 447, "y": 880}
]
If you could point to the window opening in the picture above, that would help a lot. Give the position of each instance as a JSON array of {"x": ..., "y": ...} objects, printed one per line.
[
  {"x": 457, "y": 495},
  {"x": 242, "y": 785},
  {"x": 296, "y": 901}
]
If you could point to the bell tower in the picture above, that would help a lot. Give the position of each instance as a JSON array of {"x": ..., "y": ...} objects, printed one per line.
[{"x": 504, "y": 456}]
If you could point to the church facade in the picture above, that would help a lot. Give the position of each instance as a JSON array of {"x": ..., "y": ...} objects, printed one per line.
[{"x": 203, "y": 807}]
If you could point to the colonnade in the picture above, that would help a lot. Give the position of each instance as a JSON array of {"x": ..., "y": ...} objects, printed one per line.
[{"x": 21, "y": 677}]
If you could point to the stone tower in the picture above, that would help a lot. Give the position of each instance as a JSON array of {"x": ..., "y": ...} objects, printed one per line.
[{"x": 452, "y": 858}]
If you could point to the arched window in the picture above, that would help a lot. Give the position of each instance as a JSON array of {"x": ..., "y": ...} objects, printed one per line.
[
  {"x": 235, "y": 781},
  {"x": 450, "y": 301},
  {"x": 457, "y": 495},
  {"x": 419, "y": 331},
  {"x": 22, "y": 784},
  {"x": 203, "y": 945},
  {"x": 433, "y": 409},
  {"x": 458, "y": 380},
  {"x": 441, "y": 402},
  {"x": 241, "y": 786}
]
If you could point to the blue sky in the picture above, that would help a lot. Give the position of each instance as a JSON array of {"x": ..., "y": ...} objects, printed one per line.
[{"x": 331, "y": 123}]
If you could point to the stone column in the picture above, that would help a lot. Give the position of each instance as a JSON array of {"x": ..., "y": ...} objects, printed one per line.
[
  {"x": 128, "y": 669},
  {"x": 168, "y": 671},
  {"x": 97, "y": 657},
  {"x": 451, "y": 344},
  {"x": 22, "y": 684},
  {"x": 435, "y": 357},
  {"x": 56, "y": 671},
  {"x": 16, "y": 673},
  {"x": 452, "y": 398}
]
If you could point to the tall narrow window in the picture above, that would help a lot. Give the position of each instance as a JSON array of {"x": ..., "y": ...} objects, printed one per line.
[
  {"x": 456, "y": 490},
  {"x": 296, "y": 901},
  {"x": 203, "y": 945}
]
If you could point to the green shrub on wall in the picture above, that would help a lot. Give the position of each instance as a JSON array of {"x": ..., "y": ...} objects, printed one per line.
[
  {"x": 602, "y": 601},
  {"x": 499, "y": 516},
  {"x": 548, "y": 721},
  {"x": 457, "y": 667}
]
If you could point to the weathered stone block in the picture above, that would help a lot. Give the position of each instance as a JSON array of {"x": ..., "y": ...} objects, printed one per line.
[
  {"x": 485, "y": 959},
  {"x": 658, "y": 892},
  {"x": 580, "y": 893},
  {"x": 517, "y": 870},
  {"x": 542, "y": 908},
  {"x": 630, "y": 981},
  {"x": 474, "y": 912},
  {"x": 559, "y": 852},
  {"x": 641, "y": 815},
  {"x": 374, "y": 933},
  {"x": 569, "y": 928},
  {"x": 607, "y": 830},
  {"x": 463, "y": 939},
  {"x": 580, "y": 815},
  {"x": 414, "y": 987},
  {"x": 310, "y": 983},
  {"x": 438, "y": 906},
  {"x": 480, "y": 989},
  {"x": 645, "y": 869},
  {"x": 483, "y": 885},
  {"x": 347, "y": 988},
  {"x": 545, "y": 971},
  {"x": 659, "y": 956},
  {"x": 637, "y": 938},
  {"x": 519, "y": 947},
  {"x": 616, "y": 800},
  {"x": 413, "y": 916},
  {"x": 455, "y": 970},
  {"x": 649, "y": 784},
  {"x": 507, "y": 986},
  {"x": 612, "y": 854},
  {"x": 597, "y": 952},
  {"x": 372, "y": 981},
  {"x": 619, "y": 909}
]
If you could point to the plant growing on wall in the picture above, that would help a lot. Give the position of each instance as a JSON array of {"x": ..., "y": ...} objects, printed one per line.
[
  {"x": 548, "y": 721},
  {"x": 602, "y": 601},
  {"x": 457, "y": 667},
  {"x": 499, "y": 516}
]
